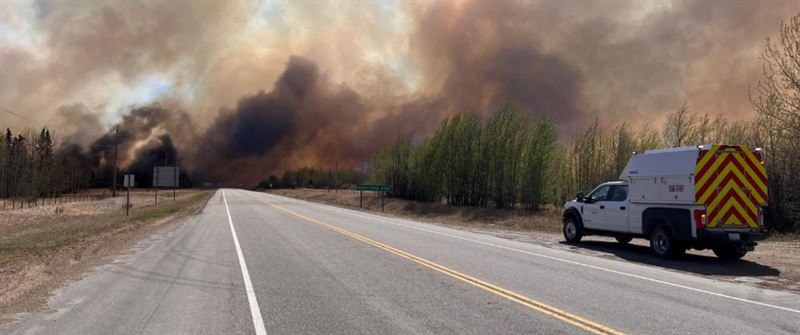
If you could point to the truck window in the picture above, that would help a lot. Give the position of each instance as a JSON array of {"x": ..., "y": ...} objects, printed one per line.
[
  {"x": 600, "y": 193},
  {"x": 618, "y": 193}
]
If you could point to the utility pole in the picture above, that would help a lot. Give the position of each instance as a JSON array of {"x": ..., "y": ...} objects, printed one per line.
[
  {"x": 128, "y": 202},
  {"x": 114, "y": 190},
  {"x": 166, "y": 156},
  {"x": 175, "y": 186},
  {"x": 336, "y": 176},
  {"x": 156, "y": 183}
]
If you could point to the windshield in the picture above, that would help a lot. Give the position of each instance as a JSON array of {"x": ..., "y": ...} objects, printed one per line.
[{"x": 600, "y": 193}]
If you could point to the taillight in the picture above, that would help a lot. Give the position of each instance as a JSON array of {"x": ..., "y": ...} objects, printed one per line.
[
  {"x": 760, "y": 216},
  {"x": 700, "y": 220}
]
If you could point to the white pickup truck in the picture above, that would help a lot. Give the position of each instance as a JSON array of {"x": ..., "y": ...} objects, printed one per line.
[{"x": 703, "y": 197}]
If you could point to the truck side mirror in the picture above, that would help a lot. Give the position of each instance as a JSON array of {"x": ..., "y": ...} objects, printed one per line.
[{"x": 579, "y": 196}]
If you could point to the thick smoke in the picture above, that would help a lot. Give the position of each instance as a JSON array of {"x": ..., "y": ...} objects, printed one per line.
[
  {"x": 366, "y": 74},
  {"x": 157, "y": 152},
  {"x": 139, "y": 132},
  {"x": 304, "y": 120},
  {"x": 80, "y": 125},
  {"x": 269, "y": 129},
  {"x": 483, "y": 55}
]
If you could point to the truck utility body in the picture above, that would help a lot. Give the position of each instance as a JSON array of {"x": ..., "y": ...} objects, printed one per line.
[{"x": 703, "y": 197}]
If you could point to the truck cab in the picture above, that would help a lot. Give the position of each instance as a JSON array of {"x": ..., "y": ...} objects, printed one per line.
[
  {"x": 704, "y": 197},
  {"x": 606, "y": 207}
]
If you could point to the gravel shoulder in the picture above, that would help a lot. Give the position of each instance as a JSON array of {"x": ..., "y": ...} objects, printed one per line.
[
  {"x": 44, "y": 247},
  {"x": 774, "y": 264}
]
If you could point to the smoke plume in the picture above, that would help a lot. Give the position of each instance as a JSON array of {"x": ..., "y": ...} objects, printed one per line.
[{"x": 234, "y": 91}]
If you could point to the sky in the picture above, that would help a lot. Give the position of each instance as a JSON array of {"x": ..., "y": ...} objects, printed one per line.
[{"x": 275, "y": 85}]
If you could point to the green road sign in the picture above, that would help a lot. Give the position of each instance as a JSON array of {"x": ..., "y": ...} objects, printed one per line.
[{"x": 372, "y": 187}]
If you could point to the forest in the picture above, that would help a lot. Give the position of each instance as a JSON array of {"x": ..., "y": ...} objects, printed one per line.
[
  {"x": 32, "y": 165},
  {"x": 308, "y": 177}
]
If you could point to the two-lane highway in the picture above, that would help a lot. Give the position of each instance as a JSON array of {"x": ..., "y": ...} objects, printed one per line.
[{"x": 258, "y": 263}]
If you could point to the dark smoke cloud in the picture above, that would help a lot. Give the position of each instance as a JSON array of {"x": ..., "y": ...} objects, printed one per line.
[
  {"x": 269, "y": 129},
  {"x": 571, "y": 61},
  {"x": 81, "y": 125},
  {"x": 305, "y": 120},
  {"x": 141, "y": 126},
  {"x": 577, "y": 61},
  {"x": 486, "y": 54},
  {"x": 157, "y": 152}
]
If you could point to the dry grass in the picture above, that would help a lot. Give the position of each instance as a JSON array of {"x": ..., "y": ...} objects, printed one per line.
[
  {"x": 42, "y": 247},
  {"x": 790, "y": 237}
]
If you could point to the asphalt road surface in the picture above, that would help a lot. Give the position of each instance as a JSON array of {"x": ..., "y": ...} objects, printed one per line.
[{"x": 259, "y": 263}]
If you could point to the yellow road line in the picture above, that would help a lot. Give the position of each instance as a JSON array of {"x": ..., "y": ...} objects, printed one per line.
[{"x": 585, "y": 324}]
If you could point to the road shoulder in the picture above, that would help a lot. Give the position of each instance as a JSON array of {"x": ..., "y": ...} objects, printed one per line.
[{"x": 42, "y": 256}]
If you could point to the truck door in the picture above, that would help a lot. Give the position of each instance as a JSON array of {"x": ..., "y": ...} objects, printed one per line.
[
  {"x": 594, "y": 208},
  {"x": 616, "y": 209}
]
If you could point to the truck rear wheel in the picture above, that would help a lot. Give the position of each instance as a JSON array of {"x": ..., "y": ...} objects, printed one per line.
[
  {"x": 663, "y": 245},
  {"x": 573, "y": 230},
  {"x": 730, "y": 252}
]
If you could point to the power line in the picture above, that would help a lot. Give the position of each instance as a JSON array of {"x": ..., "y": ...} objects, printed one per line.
[{"x": 36, "y": 123}]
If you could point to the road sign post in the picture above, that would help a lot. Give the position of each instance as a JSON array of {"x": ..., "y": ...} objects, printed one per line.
[
  {"x": 371, "y": 187},
  {"x": 166, "y": 176},
  {"x": 128, "y": 183}
]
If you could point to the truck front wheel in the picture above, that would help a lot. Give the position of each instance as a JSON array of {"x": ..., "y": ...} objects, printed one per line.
[
  {"x": 663, "y": 245},
  {"x": 573, "y": 230},
  {"x": 730, "y": 252}
]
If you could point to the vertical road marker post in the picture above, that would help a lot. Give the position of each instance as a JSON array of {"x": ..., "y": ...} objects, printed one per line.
[
  {"x": 114, "y": 190},
  {"x": 175, "y": 187},
  {"x": 156, "y": 183},
  {"x": 127, "y": 184}
]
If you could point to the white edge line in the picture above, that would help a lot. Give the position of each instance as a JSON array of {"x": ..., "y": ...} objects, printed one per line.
[
  {"x": 386, "y": 220},
  {"x": 258, "y": 322}
]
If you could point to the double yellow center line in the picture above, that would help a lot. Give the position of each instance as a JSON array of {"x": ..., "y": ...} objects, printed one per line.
[{"x": 585, "y": 324}]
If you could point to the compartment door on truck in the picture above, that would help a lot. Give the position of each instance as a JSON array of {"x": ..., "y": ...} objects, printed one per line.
[{"x": 731, "y": 182}]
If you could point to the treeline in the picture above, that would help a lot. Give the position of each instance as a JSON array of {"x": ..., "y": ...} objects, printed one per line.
[
  {"x": 312, "y": 178},
  {"x": 507, "y": 160},
  {"x": 30, "y": 167},
  {"x": 597, "y": 154},
  {"x": 777, "y": 102},
  {"x": 512, "y": 159},
  {"x": 470, "y": 161}
]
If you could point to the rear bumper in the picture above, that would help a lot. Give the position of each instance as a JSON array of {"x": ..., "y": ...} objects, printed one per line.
[{"x": 714, "y": 238}]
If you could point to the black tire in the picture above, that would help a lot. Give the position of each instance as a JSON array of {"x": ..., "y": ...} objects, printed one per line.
[
  {"x": 624, "y": 239},
  {"x": 662, "y": 245},
  {"x": 730, "y": 252},
  {"x": 573, "y": 230}
]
